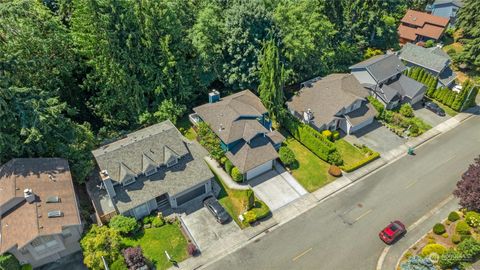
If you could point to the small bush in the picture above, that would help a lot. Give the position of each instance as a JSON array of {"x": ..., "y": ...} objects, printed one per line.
[
  {"x": 148, "y": 219},
  {"x": 8, "y": 261},
  {"x": 134, "y": 257},
  {"x": 260, "y": 210},
  {"x": 237, "y": 176},
  {"x": 439, "y": 228},
  {"x": 223, "y": 160},
  {"x": 228, "y": 166},
  {"x": 473, "y": 219},
  {"x": 123, "y": 224},
  {"x": 445, "y": 235},
  {"x": 453, "y": 216},
  {"x": 250, "y": 216},
  {"x": 462, "y": 228},
  {"x": 450, "y": 258},
  {"x": 26, "y": 267},
  {"x": 433, "y": 248},
  {"x": 192, "y": 249},
  {"x": 456, "y": 238},
  {"x": 335, "y": 171},
  {"x": 335, "y": 158},
  {"x": 286, "y": 155},
  {"x": 469, "y": 248},
  {"x": 250, "y": 199},
  {"x": 335, "y": 135},
  {"x": 429, "y": 43},
  {"x": 406, "y": 110},
  {"x": 158, "y": 222},
  {"x": 327, "y": 133}
]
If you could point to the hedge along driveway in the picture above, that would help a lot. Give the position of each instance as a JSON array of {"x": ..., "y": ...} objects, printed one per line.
[{"x": 309, "y": 170}]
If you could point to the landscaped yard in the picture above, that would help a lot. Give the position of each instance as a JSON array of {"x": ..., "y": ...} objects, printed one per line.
[
  {"x": 447, "y": 109},
  {"x": 185, "y": 127},
  {"x": 310, "y": 171},
  {"x": 349, "y": 153},
  {"x": 154, "y": 242}
]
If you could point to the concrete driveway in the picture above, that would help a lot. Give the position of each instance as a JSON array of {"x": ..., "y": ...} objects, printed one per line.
[
  {"x": 430, "y": 117},
  {"x": 377, "y": 137},
  {"x": 205, "y": 230},
  {"x": 277, "y": 188}
]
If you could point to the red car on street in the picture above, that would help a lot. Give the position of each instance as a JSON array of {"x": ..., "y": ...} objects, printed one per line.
[{"x": 392, "y": 232}]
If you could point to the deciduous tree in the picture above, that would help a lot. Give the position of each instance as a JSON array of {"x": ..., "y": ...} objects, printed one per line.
[{"x": 468, "y": 188}]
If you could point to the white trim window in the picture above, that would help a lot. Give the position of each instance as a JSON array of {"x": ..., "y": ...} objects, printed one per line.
[
  {"x": 172, "y": 162},
  {"x": 150, "y": 172},
  {"x": 128, "y": 181}
]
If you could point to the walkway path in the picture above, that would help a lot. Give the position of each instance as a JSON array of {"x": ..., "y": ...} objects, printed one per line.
[{"x": 217, "y": 169}]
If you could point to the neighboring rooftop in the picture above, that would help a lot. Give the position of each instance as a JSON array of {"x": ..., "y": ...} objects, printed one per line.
[
  {"x": 327, "y": 96},
  {"x": 248, "y": 156},
  {"x": 151, "y": 145},
  {"x": 21, "y": 221},
  {"x": 426, "y": 57},
  {"x": 457, "y": 3},
  {"x": 224, "y": 116},
  {"x": 382, "y": 67},
  {"x": 416, "y": 23}
]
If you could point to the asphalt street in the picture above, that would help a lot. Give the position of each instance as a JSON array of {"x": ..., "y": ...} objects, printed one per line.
[{"x": 342, "y": 232}]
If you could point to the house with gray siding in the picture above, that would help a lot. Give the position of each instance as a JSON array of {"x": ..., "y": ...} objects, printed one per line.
[
  {"x": 434, "y": 60},
  {"x": 446, "y": 9},
  {"x": 154, "y": 168},
  {"x": 383, "y": 76},
  {"x": 242, "y": 123},
  {"x": 40, "y": 220},
  {"x": 337, "y": 101}
]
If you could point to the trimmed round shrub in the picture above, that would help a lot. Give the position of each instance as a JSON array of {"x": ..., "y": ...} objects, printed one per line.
[
  {"x": 286, "y": 155},
  {"x": 433, "y": 248},
  {"x": 439, "y": 228},
  {"x": 192, "y": 249},
  {"x": 158, "y": 222},
  {"x": 445, "y": 235},
  {"x": 473, "y": 219},
  {"x": 462, "y": 228},
  {"x": 335, "y": 135},
  {"x": 327, "y": 133},
  {"x": 453, "y": 216},
  {"x": 456, "y": 238},
  {"x": 123, "y": 224},
  {"x": 250, "y": 216},
  {"x": 335, "y": 171},
  {"x": 223, "y": 160},
  {"x": 228, "y": 166},
  {"x": 236, "y": 175},
  {"x": 406, "y": 110}
]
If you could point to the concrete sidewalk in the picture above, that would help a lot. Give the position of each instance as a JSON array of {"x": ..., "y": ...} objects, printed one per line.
[{"x": 308, "y": 201}]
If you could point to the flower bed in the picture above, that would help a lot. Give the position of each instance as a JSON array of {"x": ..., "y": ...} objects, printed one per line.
[{"x": 454, "y": 242}]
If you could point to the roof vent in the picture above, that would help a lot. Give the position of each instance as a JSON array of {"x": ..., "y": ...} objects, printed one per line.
[
  {"x": 54, "y": 214},
  {"x": 29, "y": 195},
  {"x": 104, "y": 172},
  {"x": 307, "y": 116},
  {"x": 414, "y": 18},
  {"x": 51, "y": 177},
  {"x": 221, "y": 128},
  {"x": 53, "y": 199}
]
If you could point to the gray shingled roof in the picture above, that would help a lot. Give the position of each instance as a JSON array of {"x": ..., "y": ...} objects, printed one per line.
[
  {"x": 190, "y": 170},
  {"x": 248, "y": 156},
  {"x": 327, "y": 96},
  {"x": 381, "y": 67},
  {"x": 365, "y": 112},
  {"x": 429, "y": 58},
  {"x": 458, "y": 3},
  {"x": 406, "y": 86},
  {"x": 447, "y": 76},
  {"x": 225, "y": 116},
  {"x": 128, "y": 157}
]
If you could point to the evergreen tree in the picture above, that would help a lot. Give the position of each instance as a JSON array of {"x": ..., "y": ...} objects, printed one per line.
[
  {"x": 469, "y": 21},
  {"x": 271, "y": 80}
]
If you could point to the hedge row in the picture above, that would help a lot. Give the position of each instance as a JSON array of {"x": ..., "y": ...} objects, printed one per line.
[
  {"x": 361, "y": 163},
  {"x": 310, "y": 138}
]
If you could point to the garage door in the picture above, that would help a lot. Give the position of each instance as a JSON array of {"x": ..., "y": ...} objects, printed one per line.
[
  {"x": 190, "y": 195},
  {"x": 361, "y": 125},
  {"x": 259, "y": 170}
]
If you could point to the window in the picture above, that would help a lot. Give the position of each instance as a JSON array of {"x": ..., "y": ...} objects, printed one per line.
[
  {"x": 150, "y": 172},
  {"x": 172, "y": 162},
  {"x": 129, "y": 181}
]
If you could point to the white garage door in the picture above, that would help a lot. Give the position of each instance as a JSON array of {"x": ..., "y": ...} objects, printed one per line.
[{"x": 259, "y": 170}]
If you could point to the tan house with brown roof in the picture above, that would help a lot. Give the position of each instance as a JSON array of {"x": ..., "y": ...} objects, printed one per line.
[
  {"x": 241, "y": 122},
  {"x": 40, "y": 221},
  {"x": 337, "y": 101}
]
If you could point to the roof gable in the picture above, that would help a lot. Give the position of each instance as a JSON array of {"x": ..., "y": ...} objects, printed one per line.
[
  {"x": 428, "y": 58},
  {"x": 381, "y": 67}
]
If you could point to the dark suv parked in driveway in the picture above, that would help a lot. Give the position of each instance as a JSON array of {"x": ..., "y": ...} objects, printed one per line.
[
  {"x": 216, "y": 209},
  {"x": 434, "y": 108}
]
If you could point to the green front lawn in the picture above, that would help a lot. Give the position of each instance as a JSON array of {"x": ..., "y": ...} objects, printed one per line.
[
  {"x": 154, "y": 242},
  {"x": 310, "y": 171},
  {"x": 350, "y": 154}
]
